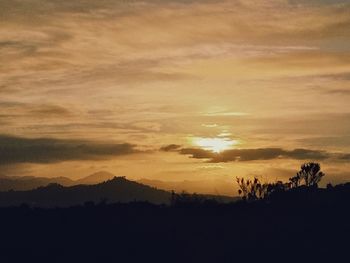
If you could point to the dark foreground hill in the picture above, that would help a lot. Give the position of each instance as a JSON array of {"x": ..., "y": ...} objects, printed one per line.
[{"x": 297, "y": 230}]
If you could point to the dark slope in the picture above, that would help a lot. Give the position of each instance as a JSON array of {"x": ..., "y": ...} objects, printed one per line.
[
  {"x": 118, "y": 189},
  {"x": 23, "y": 183},
  {"x": 95, "y": 178},
  {"x": 211, "y": 187}
]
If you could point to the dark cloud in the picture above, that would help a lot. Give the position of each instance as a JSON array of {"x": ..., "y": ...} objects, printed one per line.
[
  {"x": 47, "y": 150},
  {"x": 345, "y": 157},
  {"x": 197, "y": 153},
  {"x": 257, "y": 154},
  {"x": 170, "y": 148},
  {"x": 339, "y": 91},
  {"x": 48, "y": 110},
  {"x": 339, "y": 76},
  {"x": 267, "y": 154},
  {"x": 307, "y": 154},
  {"x": 12, "y": 109},
  {"x": 20, "y": 47}
]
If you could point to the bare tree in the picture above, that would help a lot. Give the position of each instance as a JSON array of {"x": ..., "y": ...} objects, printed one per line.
[
  {"x": 251, "y": 189},
  {"x": 310, "y": 174}
]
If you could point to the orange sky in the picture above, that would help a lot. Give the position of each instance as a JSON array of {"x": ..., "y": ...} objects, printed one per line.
[{"x": 237, "y": 87}]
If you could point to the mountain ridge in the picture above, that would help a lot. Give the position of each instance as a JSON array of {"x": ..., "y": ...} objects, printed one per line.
[
  {"x": 118, "y": 189},
  {"x": 23, "y": 183},
  {"x": 208, "y": 187}
]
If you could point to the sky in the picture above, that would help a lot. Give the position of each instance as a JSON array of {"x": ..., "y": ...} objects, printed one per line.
[{"x": 175, "y": 90}]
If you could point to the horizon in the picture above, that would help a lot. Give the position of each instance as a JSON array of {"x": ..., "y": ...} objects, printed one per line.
[{"x": 197, "y": 91}]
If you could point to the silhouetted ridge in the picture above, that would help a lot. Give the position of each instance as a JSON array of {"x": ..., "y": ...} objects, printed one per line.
[
  {"x": 23, "y": 183},
  {"x": 118, "y": 189},
  {"x": 95, "y": 178}
]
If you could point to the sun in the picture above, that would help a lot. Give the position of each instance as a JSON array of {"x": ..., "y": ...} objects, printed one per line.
[{"x": 216, "y": 145}]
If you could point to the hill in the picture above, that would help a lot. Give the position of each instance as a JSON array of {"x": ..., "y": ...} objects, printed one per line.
[
  {"x": 118, "y": 189},
  {"x": 95, "y": 178},
  {"x": 23, "y": 183},
  {"x": 211, "y": 187}
]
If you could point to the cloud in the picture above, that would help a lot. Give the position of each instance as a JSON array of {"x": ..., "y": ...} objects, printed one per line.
[
  {"x": 170, "y": 148},
  {"x": 345, "y": 157},
  {"x": 49, "y": 110},
  {"x": 87, "y": 41},
  {"x": 339, "y": 76},
  {"x": 244, "y": 155},
  {"x": 339, "y": 91},
  {"x": 268, "y": 154},
  {"x": 83, "y": 56},
  {"x": 197, "y": 153},
  {"x": 12, "y": 109},
  {"x": 17, "y": 47},
  {"x": 327, "y": 141},
  {"x": 46, "y": 150}
]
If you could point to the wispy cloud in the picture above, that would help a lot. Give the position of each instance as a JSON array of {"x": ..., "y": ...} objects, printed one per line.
[{"x": 153, "y": 72}]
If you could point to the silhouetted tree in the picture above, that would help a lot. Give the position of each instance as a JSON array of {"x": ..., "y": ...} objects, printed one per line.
[
  {"x": 254, "y": 190},
  {"x": 251, "y": 189},
  {"x": 295, "y": 181},
  {"x": 310, "y": 174},
  {"x": 329, "y": 186}
]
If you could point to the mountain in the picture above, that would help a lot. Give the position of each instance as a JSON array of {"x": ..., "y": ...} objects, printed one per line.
[
  {"x": 95, "y": 178},
  {"x": 22, "y": 183},
  {"x": 118, "y": 189},
  {"x": 212, "y": 187}
]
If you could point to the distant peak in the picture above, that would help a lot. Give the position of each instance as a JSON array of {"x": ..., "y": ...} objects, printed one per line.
[
  {"x": 96, "y": 178},
  {"x": 116, "y": 179}
]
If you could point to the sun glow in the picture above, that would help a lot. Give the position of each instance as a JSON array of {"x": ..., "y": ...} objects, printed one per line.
[{"x": 216, "y": 145}]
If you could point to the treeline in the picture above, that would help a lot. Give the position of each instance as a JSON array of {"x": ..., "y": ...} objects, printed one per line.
[
  {"x": 303, "y": 188},
  {"x": 308, "y": 178}
]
